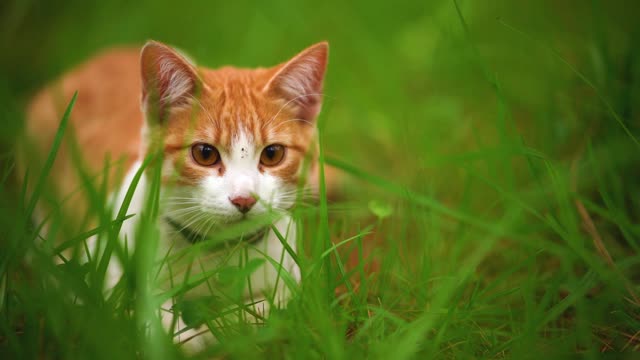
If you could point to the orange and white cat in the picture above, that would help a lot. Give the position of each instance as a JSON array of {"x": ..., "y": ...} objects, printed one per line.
[{"x": 234, "y": 143}]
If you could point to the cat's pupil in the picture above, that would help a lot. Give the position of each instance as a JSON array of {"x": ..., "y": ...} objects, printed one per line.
[
  {"x": 270, "y": 152},
  {"x": 206, "y": 151}
]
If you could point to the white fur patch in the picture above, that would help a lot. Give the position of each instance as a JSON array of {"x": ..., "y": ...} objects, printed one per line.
[
  {"x": 211, "y": 202},
  {"x": 127, "y": 231},
  {"x": 179, "y": 81}
]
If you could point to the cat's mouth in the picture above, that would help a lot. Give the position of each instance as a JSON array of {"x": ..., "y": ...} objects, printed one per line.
[{"x": 194, "y": 237}]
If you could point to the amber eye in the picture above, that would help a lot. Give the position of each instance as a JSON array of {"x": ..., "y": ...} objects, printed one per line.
[
  {"x": 272, "y": 155},
  {"x": 205, "y": 154}
]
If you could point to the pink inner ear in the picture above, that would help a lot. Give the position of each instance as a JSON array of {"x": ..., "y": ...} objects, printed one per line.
[
  {"x": 300, "y": 80},
  {"x": 167, "y": 77}
]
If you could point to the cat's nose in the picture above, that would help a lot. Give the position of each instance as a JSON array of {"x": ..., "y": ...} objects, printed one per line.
[{"x": 243, "y": 203}]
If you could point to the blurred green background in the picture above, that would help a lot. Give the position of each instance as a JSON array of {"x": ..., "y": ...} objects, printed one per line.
[
  {"x": 404, "y": 77},
  {"x": 481, "y": 126}
]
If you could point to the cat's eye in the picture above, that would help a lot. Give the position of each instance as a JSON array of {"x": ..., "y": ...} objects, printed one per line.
[
  {"x": 272, "y": 155},
  {"x": 205, "y": 154}
]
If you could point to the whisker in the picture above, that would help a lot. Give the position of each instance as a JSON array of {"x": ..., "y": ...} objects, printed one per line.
[
  {"x": 211, "y": 224},
  {"x": 205, "y": 111},
  {"x": 181, "y": 205},
  {"x": 180, "y": 198},
  {"x": 287, "y": 103},
  {"x": 192, "y": 220},
  {"x": 290, "y": 120},
  {"x": 182, "y": 212}
]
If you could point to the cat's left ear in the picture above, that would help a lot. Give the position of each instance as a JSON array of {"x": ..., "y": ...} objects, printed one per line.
[
  {"x": 299, "y": 81},
  {"x": 169, "y": 80}
]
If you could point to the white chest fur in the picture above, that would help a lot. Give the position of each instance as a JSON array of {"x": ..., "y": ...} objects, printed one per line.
[{"x": 189, "y": 263}]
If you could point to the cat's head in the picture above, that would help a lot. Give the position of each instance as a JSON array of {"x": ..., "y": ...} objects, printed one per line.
[{"x": 235, "y": 140}]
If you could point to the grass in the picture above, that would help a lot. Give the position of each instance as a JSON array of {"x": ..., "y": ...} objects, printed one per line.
[{"x": 490, "y": 206}]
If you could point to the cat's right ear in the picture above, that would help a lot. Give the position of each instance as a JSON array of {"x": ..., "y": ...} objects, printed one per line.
[
  {"x": 299, "y": 80},
  {"x": 169, "y": 80}
]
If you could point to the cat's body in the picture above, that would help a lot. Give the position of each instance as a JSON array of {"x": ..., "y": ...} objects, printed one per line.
[{"x": 234, "y": 142}]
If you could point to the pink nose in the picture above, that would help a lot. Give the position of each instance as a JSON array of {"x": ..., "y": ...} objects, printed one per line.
[{"x": 244, "y": 204}]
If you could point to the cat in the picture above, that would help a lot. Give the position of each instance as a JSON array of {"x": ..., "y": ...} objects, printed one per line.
[{"x": 237, "y": 145}]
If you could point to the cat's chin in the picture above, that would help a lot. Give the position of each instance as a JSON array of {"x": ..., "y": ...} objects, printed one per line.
[{"x": 242, "y": 228}]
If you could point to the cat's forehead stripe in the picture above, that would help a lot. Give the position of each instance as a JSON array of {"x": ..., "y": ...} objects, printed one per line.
[
  {"x": 242, "y": 139},
  {"x": 218, "y": 122},
  {"x": 240, "y": 119},
  {"x": 240, "y": 115}
]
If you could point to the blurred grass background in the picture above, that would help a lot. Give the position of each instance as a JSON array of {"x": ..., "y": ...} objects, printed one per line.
[{"x": 489, "y": 133}]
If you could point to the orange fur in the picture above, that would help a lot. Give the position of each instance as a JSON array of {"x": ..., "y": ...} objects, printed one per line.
[
  {"x": 106, "y": 121},
  {"x": 108, "y": 88},
  {"x": 129, "y": 105},
  {"x": 234, "y": 101}
]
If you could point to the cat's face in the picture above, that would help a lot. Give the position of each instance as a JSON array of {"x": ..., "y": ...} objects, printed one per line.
[{"x": 235, "y": 140}]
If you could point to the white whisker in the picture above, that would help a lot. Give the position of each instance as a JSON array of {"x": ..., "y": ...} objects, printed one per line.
[
  {"x": 291, "y": 120},
  {"x": 287, "y": 103}
]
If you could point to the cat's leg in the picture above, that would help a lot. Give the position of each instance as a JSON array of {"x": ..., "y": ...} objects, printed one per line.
[
  {"x": 129, "y": 226},
  {"x": 260, "y": 296},
  {"x": 279, "y": 267},
  {"x": 192, "y": 339}
]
